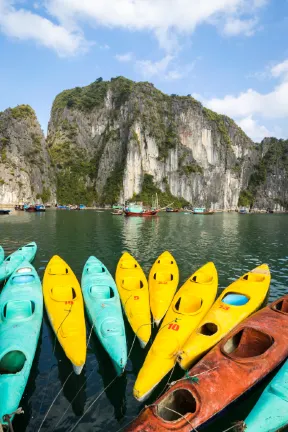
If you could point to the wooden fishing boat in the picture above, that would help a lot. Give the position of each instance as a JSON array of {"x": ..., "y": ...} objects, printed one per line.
[
  {"x": 21, "y": 305},
  {"x": 143, "y": 213},
  {"x": 202, "y": 211},
  {"x": 117, "y": 213},
  {"x": 4, "y": 212},
  {"x": 40, "y": 208},
  {"x": 188, "y": 307},
  {"x": 171, "y": 210},
  {"x": 30, "y": 209},
  {"x": 242, "y": 298},
  {"x": 245, "y": 356}
]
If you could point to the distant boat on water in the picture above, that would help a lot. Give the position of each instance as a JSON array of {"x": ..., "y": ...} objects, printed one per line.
[
  {"x": 243, "y": 210},
  {"x": 202, "y": 211},
  {"x": 4, "y": 212}
]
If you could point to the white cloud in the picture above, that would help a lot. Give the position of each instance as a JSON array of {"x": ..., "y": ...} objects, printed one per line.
[
  {"x": 252, "y": 128},
  {"x": 149, "y": 68},
  {"x": 168, "y": 19},
  {"x": 25, "y": 25},
  {"x": 246, "y": 105},
  {"x": 235, "y": 27},
  {"x": 124, "y": 57},
  {"x": 280, "y": 69}
]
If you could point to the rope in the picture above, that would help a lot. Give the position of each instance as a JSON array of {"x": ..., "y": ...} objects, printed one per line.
[
  {"x": 90, "y": 406},
  {"x": 7, "y": 419},
  {"x": 193, "y": 378},
  {"x": 48, "y": 379},
  {"x": 49, "y": 409}
]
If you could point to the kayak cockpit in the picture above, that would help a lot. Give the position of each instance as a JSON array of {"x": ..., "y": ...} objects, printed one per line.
[
  {"x": 235, "y": 299},
  {"x": 63, "y": 293},
  {"x": 22, "y": 279},
  {"x": 132, "y": 283},
  {"x": 163, "y": 277},
  {"x": 12, "y": 362},
  {"x": 281, "y": 306},
  {"x": 208, "y": 329},
  {"x": 18, "y": 310},
  {"x": 202, "y": 278},
  {"x": 95, "y": 269},
  {"x": 102, "y": 292},
  {"x": 188, "y": 304},
  {"x": 176, "y": 405},
  {"x": 111, "y": 327},
  {"x": 247, "y": 343},
  {"x": 128, "y": 264}
]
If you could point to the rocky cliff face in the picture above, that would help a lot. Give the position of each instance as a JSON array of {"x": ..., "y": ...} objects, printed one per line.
[
  {"x": 26, "y": 174},
  {"x": 268, "y": 184},
  {"x": 110, "y": 139}
]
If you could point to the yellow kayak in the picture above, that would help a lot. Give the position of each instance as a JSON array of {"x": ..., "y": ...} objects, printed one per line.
[
  {"x": 163, "y": 282},
  {"x": 189, "y": 306},
  {"x": 133, "y": 290},
  {"x": 64, "y": 305},
  {"x": 242, "y": 298}
]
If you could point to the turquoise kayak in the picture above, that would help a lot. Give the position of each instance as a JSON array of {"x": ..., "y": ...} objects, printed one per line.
[
  {"x": 21, "y": 312},
  {"x": 24, "y": 253},
  {"x": 104, "y": 310},
  {"x": 2, "y": 254},
  {"x": 270, "y": 413}
]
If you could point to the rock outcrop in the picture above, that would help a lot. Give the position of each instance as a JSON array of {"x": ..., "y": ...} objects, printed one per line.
[
  {"x": 26, "y": 174},
  {"x": 118, "y": 140},
  {"x": 106, "y": 137}
]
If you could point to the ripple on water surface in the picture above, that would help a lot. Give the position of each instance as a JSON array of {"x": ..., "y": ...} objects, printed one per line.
[{"x": 236, "y": 243}]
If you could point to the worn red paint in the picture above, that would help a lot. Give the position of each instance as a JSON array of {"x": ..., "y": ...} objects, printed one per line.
[{"x": 234, "y": 372}]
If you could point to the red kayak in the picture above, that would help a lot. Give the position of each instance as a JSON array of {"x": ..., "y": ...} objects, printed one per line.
[
  {"x": 242, "y": 359},
  {"x": 144, "y": 213}
]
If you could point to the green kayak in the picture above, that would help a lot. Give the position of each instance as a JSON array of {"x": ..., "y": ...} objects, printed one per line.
[{"x": 24, "y": 253}]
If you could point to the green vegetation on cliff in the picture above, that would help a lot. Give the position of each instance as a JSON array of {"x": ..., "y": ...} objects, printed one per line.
[
  {"x": 149, "y": 190},
  {"x": 23, "y": 112}
]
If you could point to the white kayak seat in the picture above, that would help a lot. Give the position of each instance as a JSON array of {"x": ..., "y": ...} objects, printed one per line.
[
  {"x": 111, "y": 327},
  {"x": 24, "y": 270},
  {"x": 18, "y": 310},
  {"x": 100, "y": 291},
  {"x": 12, "y": 362}
]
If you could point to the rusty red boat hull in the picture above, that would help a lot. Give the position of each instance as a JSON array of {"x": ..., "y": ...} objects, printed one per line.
[{"x": 223, "y": 376}]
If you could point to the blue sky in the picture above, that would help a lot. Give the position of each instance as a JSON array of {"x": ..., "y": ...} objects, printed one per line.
[{"x": 230, "y": 54}]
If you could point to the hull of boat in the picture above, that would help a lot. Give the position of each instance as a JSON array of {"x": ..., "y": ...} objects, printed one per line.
[
  {"x": 21, "y": 303},
  {"x": 204, "y": 213},
  {"x": 270, "y": 413},
  {"x": 104, "y": 310},
  {"x": 189, "y": 306},
  {"x": 132, "y": 286},
  {"x": 163, "y": 282},
  {"x": 242, "y": 298},
  {"x": 2, "y": 255},
  {"x": 65, "y": 309},
  {"x": 4, "y": 212},
  {"x": 24, "y": 253},
  {"x": 147, "y": 213},
  {"x": 30, "y": 209},
  {"x": 245, "y": 356}
]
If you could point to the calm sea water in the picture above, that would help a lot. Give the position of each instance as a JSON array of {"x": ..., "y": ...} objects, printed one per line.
[{"x": 236, "y": 243}]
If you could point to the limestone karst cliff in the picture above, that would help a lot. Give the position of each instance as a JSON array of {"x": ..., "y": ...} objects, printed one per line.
[
  {"x": 110, "y": 135},
  {"x": 116, "y": 140},
  {"x": 26, "y": 173}
]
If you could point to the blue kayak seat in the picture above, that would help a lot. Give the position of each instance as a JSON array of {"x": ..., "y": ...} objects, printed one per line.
[
  {"x": 23, "y": 279},
  {"x": 235, "y": 299},
  {"x": 111, "y": 327},
  {"x": 100, "y": 291},
  {"x": 12, "y": 362},
  {"x": 18, "y": 310}
]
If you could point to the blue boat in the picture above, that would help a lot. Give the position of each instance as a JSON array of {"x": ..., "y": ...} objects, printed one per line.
[
  {"x": 104, "y": 310},
  {"x": 270, "y": 413},
  {"x": 4, "y": 212},
  {"x": 24, "y": 253},
  {"x": 82, "y": 207},
  {"x": 2, "y": 255},
  {"x": 40, "y": 208},
  {"x": 21, "y": 312}
]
